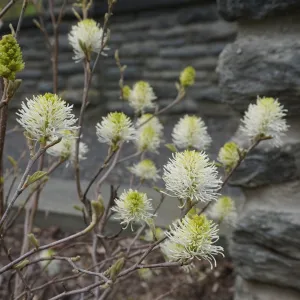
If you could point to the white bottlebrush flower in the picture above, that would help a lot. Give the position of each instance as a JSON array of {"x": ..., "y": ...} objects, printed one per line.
[
  {"x": 190, "y": 175},
  {"x": 145, "y": 169},
  {"x": 223, "y": 211},
  {"x": 191, "y": 132},
  {"x": 229, "y": 155},
  {"x": 192, "y": 237},
  {"x": 45, "y": 116},
  {"x": 66, "y": 149},
  {"x": 141, "y": 96},
  {"x": 133, "y": 206},
  {"x": 265, "y": 119},
  {"x": 85, "y": 38},
  {"x": 115, "y": 127},
  {"x": 149, "y": 135}
]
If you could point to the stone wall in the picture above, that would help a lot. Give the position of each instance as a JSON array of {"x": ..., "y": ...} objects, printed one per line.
[
  {"x": 155, "y": 44},
  {"x": 265, "y": 60},
  {"x": 156, "y": 40}
]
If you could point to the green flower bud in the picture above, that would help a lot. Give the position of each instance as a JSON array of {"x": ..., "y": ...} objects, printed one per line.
[
  {"x": 126, "y": 92},
  {"x": 115, "y": 269},
  {"x": 11, "y": 60},
  {"x": 229, "y": 155},
  {"x": 33, "y": 240},
  {"x": 187, "y": 76}
]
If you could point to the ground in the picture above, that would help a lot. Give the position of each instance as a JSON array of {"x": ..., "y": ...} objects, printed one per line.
[{"x": 170, "y": 284}]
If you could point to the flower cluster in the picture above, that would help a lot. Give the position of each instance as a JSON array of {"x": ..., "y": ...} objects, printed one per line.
[
  {"x": 145, "y": 169},
  {"x": 86, "y": 37},
  {"x": 11, "y": 60},
  {"x": 265, "y": 119},
  {"x": 66, "y": 148},
  {"x": 115, "y": 127},
  {"x": 192, "y": 237},
  {"x": 223, "y": 211},
  {"x": 189, "y": 175},
  {"x": 46, "y": 116},
  {"x": 133, "y": 206},
  {"x": 191, "y": 132},
  {"x": 141, "y": 96},
  {"x": 149, "y": 133}
]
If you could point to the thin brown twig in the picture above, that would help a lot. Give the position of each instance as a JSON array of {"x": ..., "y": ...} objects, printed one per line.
[
  {"x": 42, "y": 183},
  {"x": 71, "y": 262},
  {"x": 22, "y": 186},
  {"x": 87, "y": 81},
  {"x": 3, "y": 124},
  {"x": 24, "y": 6},
  {"x": 7, "y": 7},
  {"x": 101, "y": 168},
  {"x": 7, "y": 252},
  {"x": 50, "y": 245}
]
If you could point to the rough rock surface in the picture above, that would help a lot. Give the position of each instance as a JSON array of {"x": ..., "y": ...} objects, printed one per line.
[
  {"x": 154, "y": 44},
  {"x": 250, "y": 290},
  {"x": 255, "y": 9},
  {"x": 268, "y": 167},
  {"x": 262, "y": 66},
  {"x": 266, "y": 247}
]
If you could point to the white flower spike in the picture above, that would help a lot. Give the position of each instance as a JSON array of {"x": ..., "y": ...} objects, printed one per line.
[
  {"x": 145, "y": 169},
  {"x": 46, "y": 116},
  {"x": 85, "y": 38},
  {"x": 189, "y": 175},
  {"x": 132, "y": 206},
  {"x": 191, "y": 132},
  {"x": 66, "y": 149},
  {"x": 192, "y": 237},
  {"x": 141, "y": 96},
  {"x": 149, "y": 135},
  {"x": 115, "y": 127},
  {"x": 265, "y": 119}
]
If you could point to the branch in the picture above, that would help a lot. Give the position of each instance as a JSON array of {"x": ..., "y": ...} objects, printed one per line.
[
  {"x": 7, "y": 7},
  {"x": 24, "y": 6},
  {"x": 50, "y": 245},
  {"x": 22, "y": 186}
]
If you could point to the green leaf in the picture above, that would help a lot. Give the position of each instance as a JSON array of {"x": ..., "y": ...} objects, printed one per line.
[
  {"x": 171, "y": 147},
  {"x": 77, "y": 207},
  {"x": 157, "y": 189},
  {"x": 35, "y": 177},
  {"x": 12, "y": 161}
]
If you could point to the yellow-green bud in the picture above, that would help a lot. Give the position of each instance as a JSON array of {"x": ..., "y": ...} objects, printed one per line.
[
  {"x": 115, "y": 269},
  {"x": 75, "y": 258},
  {"x": 187, "y": 76},
  {"x": 229, "y": 155},
  {"x": 11, "y": 60},
  {"x": 13, "y": 87},
  {"x": 21, "y": 264},
  {"x": 126, "y": 92},
  {"x": 33, "y": 240},
  {"x": 98, "y": 207}
]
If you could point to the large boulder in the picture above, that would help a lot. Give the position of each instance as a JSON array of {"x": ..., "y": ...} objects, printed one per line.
[
  {"x": 266, "y": 247},
  {"x": 253, "y": 290},
  {"x": 261, "y": 66},
  {"x": 232, "y": 10}
]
